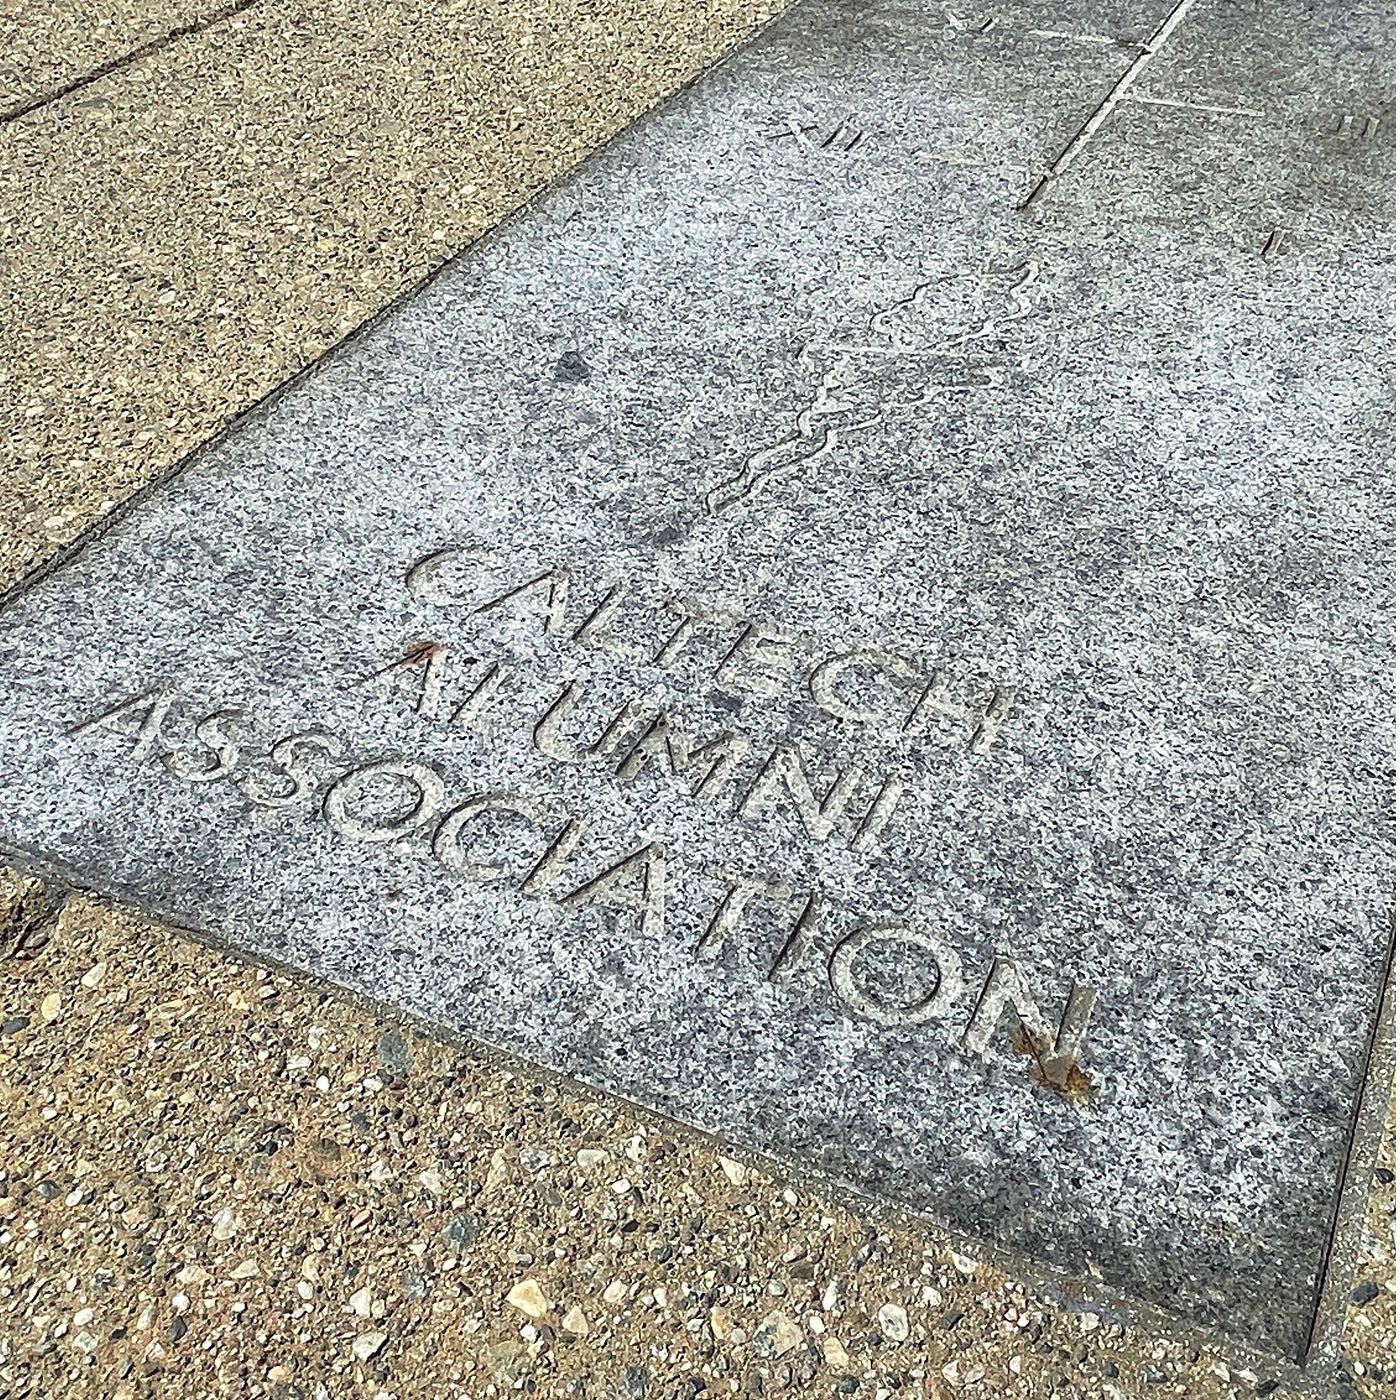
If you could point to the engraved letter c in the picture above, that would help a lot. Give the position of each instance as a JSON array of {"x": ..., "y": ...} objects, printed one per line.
[
  {"x": 822, "y": 683},
  {"x": 422, "y": 581},
  {"x": 447, "y": 839}
]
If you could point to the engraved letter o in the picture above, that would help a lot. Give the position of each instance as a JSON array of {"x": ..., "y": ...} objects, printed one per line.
[
  {"x": 935, "y": 1004},
  {"x": 430, "y": 795}
]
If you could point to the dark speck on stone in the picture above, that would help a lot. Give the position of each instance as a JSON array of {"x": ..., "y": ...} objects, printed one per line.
[
  {"x": 178, "y": 1328},
  {"x": 14, "y": 1025},
  {"x": 393, "y": 1053},
  {"x": 634, "y": 1381},
  {"x": 572, "y": 369},
  {"x": 1363, "y": 1295},
  {"x": 1266, "y": 1387},
  {"x": 950, "y": 1320},
  {"x": 461, "y": 1230}
]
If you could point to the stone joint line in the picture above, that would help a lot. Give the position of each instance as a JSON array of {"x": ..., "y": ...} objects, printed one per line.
[
  {"x": 1104, "y": 110},
  {"x": 32, "y": 104}
]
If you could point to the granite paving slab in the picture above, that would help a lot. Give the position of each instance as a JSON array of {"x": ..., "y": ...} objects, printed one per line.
[{"x": 860, "y": 622}]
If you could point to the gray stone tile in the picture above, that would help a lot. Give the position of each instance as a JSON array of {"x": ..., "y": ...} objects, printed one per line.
[{"x": 1013, "y": 582}]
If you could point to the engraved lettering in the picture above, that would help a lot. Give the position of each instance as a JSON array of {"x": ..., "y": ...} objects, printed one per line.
[
  {"x": 933, "y": 701},
  {"x": 152, "y": 707},
  {"x": 210, "y": 732},
  {"x": 551, "y": 864},
  {"x": 390, "y": 800},
  {"x": 351, "y": 801},
  {"x": 969, "y": 26},
  {"x": 447, "y": 840},
  {"x": 637, "y": 882},
  {"x": 990, "y": 725},
  {"x": 742, "y": 891},
  {"x": 423, "y": 580},
  {"x": 712, "y": 763},
  {"x": 553, "y": 584},
  {"x": 867, "y": 686},
  {"x": 692, "y": 616},
  {"x": 878, "y": 817},
  {"x": 784, "y": 771},
  {"x": 822, "y": 682},
  {"x": 842, "y": 138},
  {"x": 800, "y": 941},
  {"x": 1354, "y": 127},
  {"x": 594, "y": 628},
  {"x": 549, "y": 739},
  {"x": 934, "y": 1004},
  {"x": 286, "y": 757},
  {"x": 1056, "y": 1051},
  {"x": 755, "y": 662},
  {"x": 418, "y": 673},
  {"x": 467, "y": 715}
]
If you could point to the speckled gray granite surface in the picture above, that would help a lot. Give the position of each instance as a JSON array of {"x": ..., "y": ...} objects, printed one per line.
[{"x": 859, "y": 622}]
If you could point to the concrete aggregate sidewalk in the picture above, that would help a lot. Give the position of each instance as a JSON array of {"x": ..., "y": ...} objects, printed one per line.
[{"x": 46, "y": 48}]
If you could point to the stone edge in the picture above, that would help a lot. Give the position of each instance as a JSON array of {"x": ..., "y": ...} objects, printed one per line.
[
  {"x": 1312, "y": 1373},
  {"x": 1349, "y": 1209}
]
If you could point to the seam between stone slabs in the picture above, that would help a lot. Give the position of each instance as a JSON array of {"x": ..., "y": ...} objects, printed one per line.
[
  {"x": 1064, "y": 1291},
  {"x": 1116, "y": 94},
  {"x": 99, "y": 527},
  {"x": 112, "y": 65}
]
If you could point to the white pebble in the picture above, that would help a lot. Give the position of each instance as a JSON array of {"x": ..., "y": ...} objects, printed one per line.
[
  {"x": 894, "y": 1322},
  {"x": 367, "y": 1344}
]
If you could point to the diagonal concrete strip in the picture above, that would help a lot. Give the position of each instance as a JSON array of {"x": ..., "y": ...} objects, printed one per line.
[{"x": 182, "y": 235}]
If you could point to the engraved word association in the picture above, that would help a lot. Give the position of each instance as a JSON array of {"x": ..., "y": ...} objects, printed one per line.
[{"x": 526, "y": 841}]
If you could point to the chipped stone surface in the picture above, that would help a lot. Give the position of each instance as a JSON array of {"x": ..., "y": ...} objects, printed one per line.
[{"x": 1026, "y": 565}]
